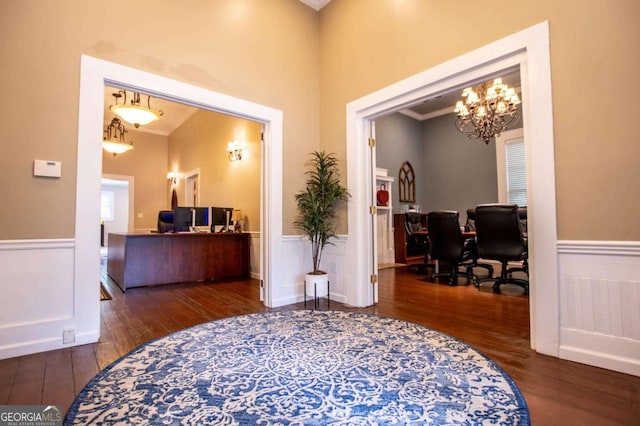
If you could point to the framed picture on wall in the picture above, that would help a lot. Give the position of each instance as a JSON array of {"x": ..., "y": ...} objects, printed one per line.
[{"x": 406, "y": 183}]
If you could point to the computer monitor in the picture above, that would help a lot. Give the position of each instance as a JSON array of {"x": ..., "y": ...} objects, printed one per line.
[
  {"x": 186, "y": 219},
  {"x": 221, "y": 219}
]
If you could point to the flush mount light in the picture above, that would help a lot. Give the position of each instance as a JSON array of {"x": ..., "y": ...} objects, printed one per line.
[{"x": 134, "y": 112}]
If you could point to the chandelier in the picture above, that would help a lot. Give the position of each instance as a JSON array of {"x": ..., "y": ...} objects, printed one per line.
[
  {"x": 113, "y": 138},
  {"x": 487, "y": 111},
  {"x": 134, "y": 113}
]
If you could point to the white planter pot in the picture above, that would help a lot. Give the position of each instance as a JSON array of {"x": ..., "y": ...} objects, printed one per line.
[{"x": 317, "y": 285}]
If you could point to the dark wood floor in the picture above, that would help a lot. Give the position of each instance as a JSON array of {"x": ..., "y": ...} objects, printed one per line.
[{"x": 557, "y": 392}]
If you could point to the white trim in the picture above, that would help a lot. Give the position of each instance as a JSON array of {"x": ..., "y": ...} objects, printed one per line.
[
  {"x": 297, "y": 251},
  {"x": 528, "y": 49},
  {"x": 94, "y": 75},
  {"x": 616, "y": 248},
  {"x": 600, "y": 293},
  {"x": 29, "y": 321},
  {"x": 13, "y": 245},
  {"x": 427, "y": 116},
  {"x": 600, "y": 350}
]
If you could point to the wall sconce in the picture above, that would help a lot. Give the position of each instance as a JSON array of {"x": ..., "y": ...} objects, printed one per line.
[
  {"x": 235, "y": 150},
  {"x": 172, "y": 177}
]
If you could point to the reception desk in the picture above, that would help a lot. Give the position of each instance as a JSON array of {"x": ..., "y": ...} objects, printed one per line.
[{"x": 136, "y": 260}]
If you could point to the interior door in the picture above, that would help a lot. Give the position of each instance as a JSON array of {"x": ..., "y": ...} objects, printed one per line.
[{"x": 371, "y": 137}]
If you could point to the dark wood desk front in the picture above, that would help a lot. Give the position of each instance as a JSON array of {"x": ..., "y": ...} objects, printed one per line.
[{"x": 136, "y": 260}]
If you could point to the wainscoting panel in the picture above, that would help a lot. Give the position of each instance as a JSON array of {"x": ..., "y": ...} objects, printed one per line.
[
  {"x": 599, "y": 288},
  {"x": 37, "y": 296},
  {"x": 254, "y": 254},
  {"x": 298, "y": 252}
]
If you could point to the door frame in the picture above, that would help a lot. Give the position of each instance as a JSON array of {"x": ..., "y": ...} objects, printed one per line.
[
  {"x": 94, "y": 75},
  {"x": 528, "y": 49}
]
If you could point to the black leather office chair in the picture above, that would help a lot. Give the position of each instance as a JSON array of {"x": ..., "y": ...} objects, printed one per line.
[
  {"x": 165, "y": 221},
  {"x": 417, "y": 241},
  {"x": 470, "y": 225},
  {"x": 449, "y": 245},
  {"x": 499, "y": 237},
  {"x": 522, "y": 214}
]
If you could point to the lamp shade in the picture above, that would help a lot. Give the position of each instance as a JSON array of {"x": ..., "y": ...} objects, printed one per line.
[
  {"x": 135, "y": 114},
  {"x": 116, "y": 147}
]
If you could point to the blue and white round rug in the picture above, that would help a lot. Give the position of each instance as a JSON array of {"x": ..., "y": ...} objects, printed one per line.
[{"x": 301, "y": 368}]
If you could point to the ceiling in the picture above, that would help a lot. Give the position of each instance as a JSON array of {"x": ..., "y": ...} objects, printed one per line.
[
  {"x": 445, "y": 103},
  {"x": 174, "y": 114}
]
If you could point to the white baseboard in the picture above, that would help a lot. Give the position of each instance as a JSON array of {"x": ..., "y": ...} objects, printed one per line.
[{"x": 600, "y": 350}]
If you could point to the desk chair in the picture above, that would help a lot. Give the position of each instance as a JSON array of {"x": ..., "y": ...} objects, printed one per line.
[
  {"x": 449, "y": 245},
  {"x": 499, "y": 237},
  {"x": 417, "y": 241},
  {"x": 522, "y": 214},
  {"x": 470, "y": 225},
  {"x": 165, "y": 221}
]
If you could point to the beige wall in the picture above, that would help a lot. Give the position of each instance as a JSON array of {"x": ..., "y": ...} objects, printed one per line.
[
  {"x": 147, "y": 163},
  {"x": 262, "y": 51},
  {"x": 283, "y": 54},
  {"x": 201, "y": 143},
  {"x": 595, "y": 61}
]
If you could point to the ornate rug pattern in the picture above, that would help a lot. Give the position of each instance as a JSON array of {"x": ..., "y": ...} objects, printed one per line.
[{"x": 302, "y": 367}]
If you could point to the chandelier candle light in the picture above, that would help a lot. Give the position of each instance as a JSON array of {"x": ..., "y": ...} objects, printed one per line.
[
  {"x": 134, "y": 113},
  {"x": 487, "y": 111}
]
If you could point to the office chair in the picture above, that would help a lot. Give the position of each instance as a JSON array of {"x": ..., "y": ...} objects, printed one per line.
[
  {"x": 165, "y": 221},
  {"x": 449, "y": 245},
  {"x": 470, "y": 225},
  {"x": 522, "y": 214},
  {"x": 499, "y": 237},
  {"x": 417, "y": 241}
]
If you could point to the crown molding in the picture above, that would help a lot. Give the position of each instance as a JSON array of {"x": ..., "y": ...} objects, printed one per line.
[{"x": 316, "y": 4}]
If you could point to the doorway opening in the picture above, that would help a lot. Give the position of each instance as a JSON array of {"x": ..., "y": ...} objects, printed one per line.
[
  {"x": 529, "y": 50},
  {"x": 192, "y": 188},
  {"x": 116, "y": 207},
  {"x": 95, "y": 74}
]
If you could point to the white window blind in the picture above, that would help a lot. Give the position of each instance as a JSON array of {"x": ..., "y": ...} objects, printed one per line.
[{"x": 516, "y": 172}]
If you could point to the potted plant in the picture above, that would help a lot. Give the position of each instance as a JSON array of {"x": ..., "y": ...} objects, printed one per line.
[{"x": 317, "y": 211}]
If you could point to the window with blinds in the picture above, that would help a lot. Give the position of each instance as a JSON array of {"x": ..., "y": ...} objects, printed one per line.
[{"x": 516, "y": 172}]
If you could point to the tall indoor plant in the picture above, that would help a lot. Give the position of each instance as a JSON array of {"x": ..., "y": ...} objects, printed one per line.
[{"x": 317, "y": 210}]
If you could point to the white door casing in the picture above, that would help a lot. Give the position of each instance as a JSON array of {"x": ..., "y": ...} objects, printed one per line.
[{"x": 528, "y": 50}]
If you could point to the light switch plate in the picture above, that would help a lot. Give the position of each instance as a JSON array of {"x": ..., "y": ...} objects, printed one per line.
[{"x": 47, "y": 168}]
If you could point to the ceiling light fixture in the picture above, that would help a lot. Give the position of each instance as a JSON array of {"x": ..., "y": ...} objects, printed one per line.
[
  {"x": 113, "y": 138},
  {"x": 487, "y": 111},
  {"x": 135, "y": 113}
]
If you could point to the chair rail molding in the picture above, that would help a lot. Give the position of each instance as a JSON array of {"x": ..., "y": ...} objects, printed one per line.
[{"x": 599, "y": 289}]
